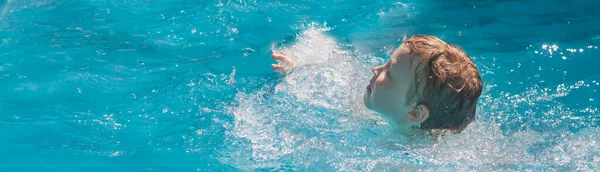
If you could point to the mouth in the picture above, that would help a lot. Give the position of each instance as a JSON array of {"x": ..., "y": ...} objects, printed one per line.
[{"x": 369, "y": 89}]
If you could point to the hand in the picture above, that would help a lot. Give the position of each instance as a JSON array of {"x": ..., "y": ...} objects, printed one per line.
[{"x": 284, "y": 65}]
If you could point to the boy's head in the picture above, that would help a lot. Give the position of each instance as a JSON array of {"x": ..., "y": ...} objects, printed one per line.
[{"x": 428, "y": 82}]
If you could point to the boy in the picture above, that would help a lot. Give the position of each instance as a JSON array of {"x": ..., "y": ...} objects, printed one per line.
[{"x": 427, "y": 84}]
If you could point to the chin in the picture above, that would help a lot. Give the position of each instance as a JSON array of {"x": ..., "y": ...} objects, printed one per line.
[{"x": 366, "y": 101}]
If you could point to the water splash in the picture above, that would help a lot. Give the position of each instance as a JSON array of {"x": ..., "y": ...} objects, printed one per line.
[
  {"x": 311, "y": 120},
  {"x": 316, "y": 96}
]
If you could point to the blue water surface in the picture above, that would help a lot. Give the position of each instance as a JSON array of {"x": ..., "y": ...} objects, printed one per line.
[{"x": 186, "y": 85}]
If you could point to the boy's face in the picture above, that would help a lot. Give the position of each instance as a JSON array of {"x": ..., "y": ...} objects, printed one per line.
[{"x": 388, "y": 89}]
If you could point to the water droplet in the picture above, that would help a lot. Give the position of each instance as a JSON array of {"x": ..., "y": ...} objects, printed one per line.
[
  {"x": 232, "y": 77},
  {"x": 100, "y": 52},
  {"x": 117, "y": 153}
]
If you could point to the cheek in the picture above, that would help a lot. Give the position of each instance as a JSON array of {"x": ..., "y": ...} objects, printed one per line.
[{"x": 380, "y": 81}]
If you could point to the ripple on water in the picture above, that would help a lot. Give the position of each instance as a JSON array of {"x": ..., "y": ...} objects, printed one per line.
[{"x": 126, "y": 80}]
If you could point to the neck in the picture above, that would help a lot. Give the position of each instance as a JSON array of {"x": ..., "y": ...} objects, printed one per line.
[{"x": 404, "y": 129}]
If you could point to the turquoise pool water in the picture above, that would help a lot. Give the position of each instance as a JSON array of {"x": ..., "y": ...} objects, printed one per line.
[{"x": 184, "y": 85}]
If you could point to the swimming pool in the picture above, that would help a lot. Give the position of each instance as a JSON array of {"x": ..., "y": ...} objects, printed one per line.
[{"x": 182, "y": 85}]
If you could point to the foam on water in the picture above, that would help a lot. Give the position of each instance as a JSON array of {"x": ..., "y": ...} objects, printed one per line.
[
  {"x": 315, "y": 98},
  {"x": 314, "y": 119},
  {"x": 186, "y": 85}
]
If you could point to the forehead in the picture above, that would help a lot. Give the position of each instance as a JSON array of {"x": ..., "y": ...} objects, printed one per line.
[{"x": 401, "y": 55}]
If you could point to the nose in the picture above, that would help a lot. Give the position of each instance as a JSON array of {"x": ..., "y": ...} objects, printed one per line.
[{"x": 376, "y": 70}]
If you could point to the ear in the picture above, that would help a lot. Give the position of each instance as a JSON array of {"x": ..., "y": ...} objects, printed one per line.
[{"x": 418, "y": 114}]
